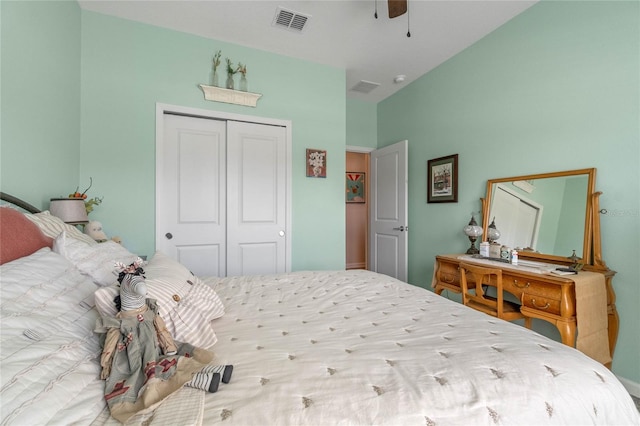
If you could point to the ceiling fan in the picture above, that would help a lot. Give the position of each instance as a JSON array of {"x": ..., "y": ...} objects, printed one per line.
[{"x": 396, "y": 8}]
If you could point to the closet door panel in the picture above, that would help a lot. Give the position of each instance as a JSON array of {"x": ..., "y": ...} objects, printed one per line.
[
  {"x": 258, "y": 180},
  {"x": 257, "y": 258},
  {"x": 207, "y": 257},
  {"x": 191, "y": 194},
  {"x": 256, "y": 201},
  {"x": 199, "y": 170}
]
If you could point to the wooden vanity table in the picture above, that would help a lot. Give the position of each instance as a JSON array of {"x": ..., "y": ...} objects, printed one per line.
[{"x": 546, "y": 296}]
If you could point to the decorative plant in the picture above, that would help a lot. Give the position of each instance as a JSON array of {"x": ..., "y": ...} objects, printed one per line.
[
  {"x": 90, "y": 202},
  {"x": 216, "y": 60},
  {"x": 230, "y": 69},
  {"x": 242, "y": 69}
]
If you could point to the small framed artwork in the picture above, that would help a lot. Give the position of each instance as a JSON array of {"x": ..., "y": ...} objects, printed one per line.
[
  {"x": 355, "y": 187},
  {"x": 442, "y": 180},
  {"x": 316, "y": 163}
]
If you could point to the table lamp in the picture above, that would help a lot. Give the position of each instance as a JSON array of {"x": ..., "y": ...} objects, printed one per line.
[
  {"x": 473, "y": 231},
  {"x": 70, "y": 210},
  {"x": 492, "y": 232}
]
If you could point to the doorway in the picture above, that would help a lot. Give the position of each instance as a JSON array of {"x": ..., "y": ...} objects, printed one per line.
[{"x": 357, "y": 209}]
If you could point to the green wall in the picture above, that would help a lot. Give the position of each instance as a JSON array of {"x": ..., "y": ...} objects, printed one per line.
[
  {"x": 556, "y": 88},
  {"x": 362, "y": 124},
  {"x": 127, "y": 67},
  {"x": 40, "y": 102},
  {"x": 79, "y": 101}
]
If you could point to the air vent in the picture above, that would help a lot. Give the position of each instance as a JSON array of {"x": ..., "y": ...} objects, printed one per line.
[
  {"x": 365, "y": 86},
  {"x": 290, "y": 20}
]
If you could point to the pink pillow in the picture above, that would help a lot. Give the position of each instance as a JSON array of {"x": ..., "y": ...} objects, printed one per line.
[{"x": 19, "y": 236}]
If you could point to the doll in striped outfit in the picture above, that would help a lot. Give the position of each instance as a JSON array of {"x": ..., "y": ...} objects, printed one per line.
[{"x": 141, "y": 362}]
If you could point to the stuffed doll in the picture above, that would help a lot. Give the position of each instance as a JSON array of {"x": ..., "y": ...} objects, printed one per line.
[
  {"x": 141, "y": 362},
  {"x": 95, "y": 231}
]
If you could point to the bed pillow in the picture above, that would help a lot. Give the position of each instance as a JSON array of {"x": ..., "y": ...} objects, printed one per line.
[
  {"x": 186, "y": 304},
  {"x": 94, "y": 260},
  {"x": 52, "y": 226},
  {"x": 20, "y": 236}
]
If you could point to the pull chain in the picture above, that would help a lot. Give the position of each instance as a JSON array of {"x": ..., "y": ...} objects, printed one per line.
[
  {"x": 408, "y": 13},
  {"x": 376, "y": 9}
]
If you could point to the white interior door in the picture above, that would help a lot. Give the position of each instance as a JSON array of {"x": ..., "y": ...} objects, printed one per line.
[
  {"x": 256, "y": 198},
  {"x": 191, "y": 193},
  {"x": 389, "y": 220}
]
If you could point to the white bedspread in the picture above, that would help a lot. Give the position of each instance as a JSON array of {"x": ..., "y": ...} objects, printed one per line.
[
  {"x": 309, "y": 348},
  {"x": 328, "y": 348},
  {"x": 48, "y": 351}
]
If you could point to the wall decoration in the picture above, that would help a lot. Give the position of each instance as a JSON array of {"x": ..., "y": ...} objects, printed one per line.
[
  {"x": 316, "y": 163},
  {"x": 355, "y": 187},
  {"x": 215, "y": 78},
  {"x": 442, "y": 179}
]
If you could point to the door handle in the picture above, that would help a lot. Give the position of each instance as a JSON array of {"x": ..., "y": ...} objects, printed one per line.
[
  {"x": 401, "y": 228},
  {"x": 169, "y": 235}
]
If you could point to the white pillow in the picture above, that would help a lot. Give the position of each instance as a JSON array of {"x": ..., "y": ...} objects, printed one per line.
[
  {"x": 186, "y": 304},
  {"x": 53, "y": 226},
  {"x": 96, "y": 260}
]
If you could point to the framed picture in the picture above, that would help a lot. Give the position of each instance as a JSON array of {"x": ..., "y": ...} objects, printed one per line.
[
  {"x": 442, "y": 180},
  {"x": 355, "y": 187},
  {"x": 316, "y": 163}
]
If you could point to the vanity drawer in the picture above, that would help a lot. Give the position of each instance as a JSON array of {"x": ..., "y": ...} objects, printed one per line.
[
  {"x": 449, "y": 273},
  {"x": 520, "y": 285},
  {"x": 541, "y": 303}
]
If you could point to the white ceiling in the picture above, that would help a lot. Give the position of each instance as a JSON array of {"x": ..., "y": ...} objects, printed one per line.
[{"x": 340, "y": 33}]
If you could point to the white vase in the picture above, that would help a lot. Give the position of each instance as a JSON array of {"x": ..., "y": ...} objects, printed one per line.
[{"x": 215, "y": 79}]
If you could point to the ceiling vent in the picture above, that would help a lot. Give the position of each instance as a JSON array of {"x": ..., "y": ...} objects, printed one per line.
[
  {"x": 290, "y": 20},
  {"x": 365, "y": 86}
]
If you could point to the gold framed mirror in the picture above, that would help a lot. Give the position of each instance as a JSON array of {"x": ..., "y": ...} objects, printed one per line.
[{"x": 545, "y": 216}]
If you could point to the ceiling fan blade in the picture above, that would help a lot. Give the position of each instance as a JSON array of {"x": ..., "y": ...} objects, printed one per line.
[{"x": 397, "y": 8}]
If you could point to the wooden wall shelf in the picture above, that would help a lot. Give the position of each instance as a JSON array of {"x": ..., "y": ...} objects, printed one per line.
[{"x": 218, "y": 94}]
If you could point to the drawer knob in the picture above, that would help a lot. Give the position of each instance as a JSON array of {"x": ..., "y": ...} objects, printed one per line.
[
  {"x": 546, "y": 306},
  {"x": 517, "y": 284}
]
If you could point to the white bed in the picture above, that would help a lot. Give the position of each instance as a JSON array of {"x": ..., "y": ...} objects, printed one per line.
[{"x": 309, "y": 348}]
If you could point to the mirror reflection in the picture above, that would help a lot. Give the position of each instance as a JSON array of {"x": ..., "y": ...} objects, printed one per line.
[{"x": 544, "y": 213}]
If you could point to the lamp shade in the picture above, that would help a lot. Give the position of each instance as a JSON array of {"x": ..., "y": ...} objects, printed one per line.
[
  {"x": 70, "y": 210},
  {"x": 472, "y": 229},
  {"x": 492, "y": 232}
]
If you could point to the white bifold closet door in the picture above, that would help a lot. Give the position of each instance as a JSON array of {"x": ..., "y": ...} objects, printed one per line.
[{"x": 221, "y": 196}]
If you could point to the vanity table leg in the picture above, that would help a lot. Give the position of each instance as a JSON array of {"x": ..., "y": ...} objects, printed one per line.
[
  {"x": 567, "y": 331},
  {"x": 614, "y": 323},
  {"x": 612, "y": 316}
]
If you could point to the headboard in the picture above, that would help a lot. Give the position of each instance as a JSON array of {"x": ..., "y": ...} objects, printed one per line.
[{"x": 18, "y": 202}]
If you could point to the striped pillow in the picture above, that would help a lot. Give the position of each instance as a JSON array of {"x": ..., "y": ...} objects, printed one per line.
[
  {"x": 53, "y": 226},
  {"x": 187, "y": 305}
]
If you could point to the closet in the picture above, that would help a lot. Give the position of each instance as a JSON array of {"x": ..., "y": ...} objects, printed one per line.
[{"x": 221, "y": 195}]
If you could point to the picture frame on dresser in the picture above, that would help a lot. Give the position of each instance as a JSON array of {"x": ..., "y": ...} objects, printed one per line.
[{"x": 442, "y": 179}]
